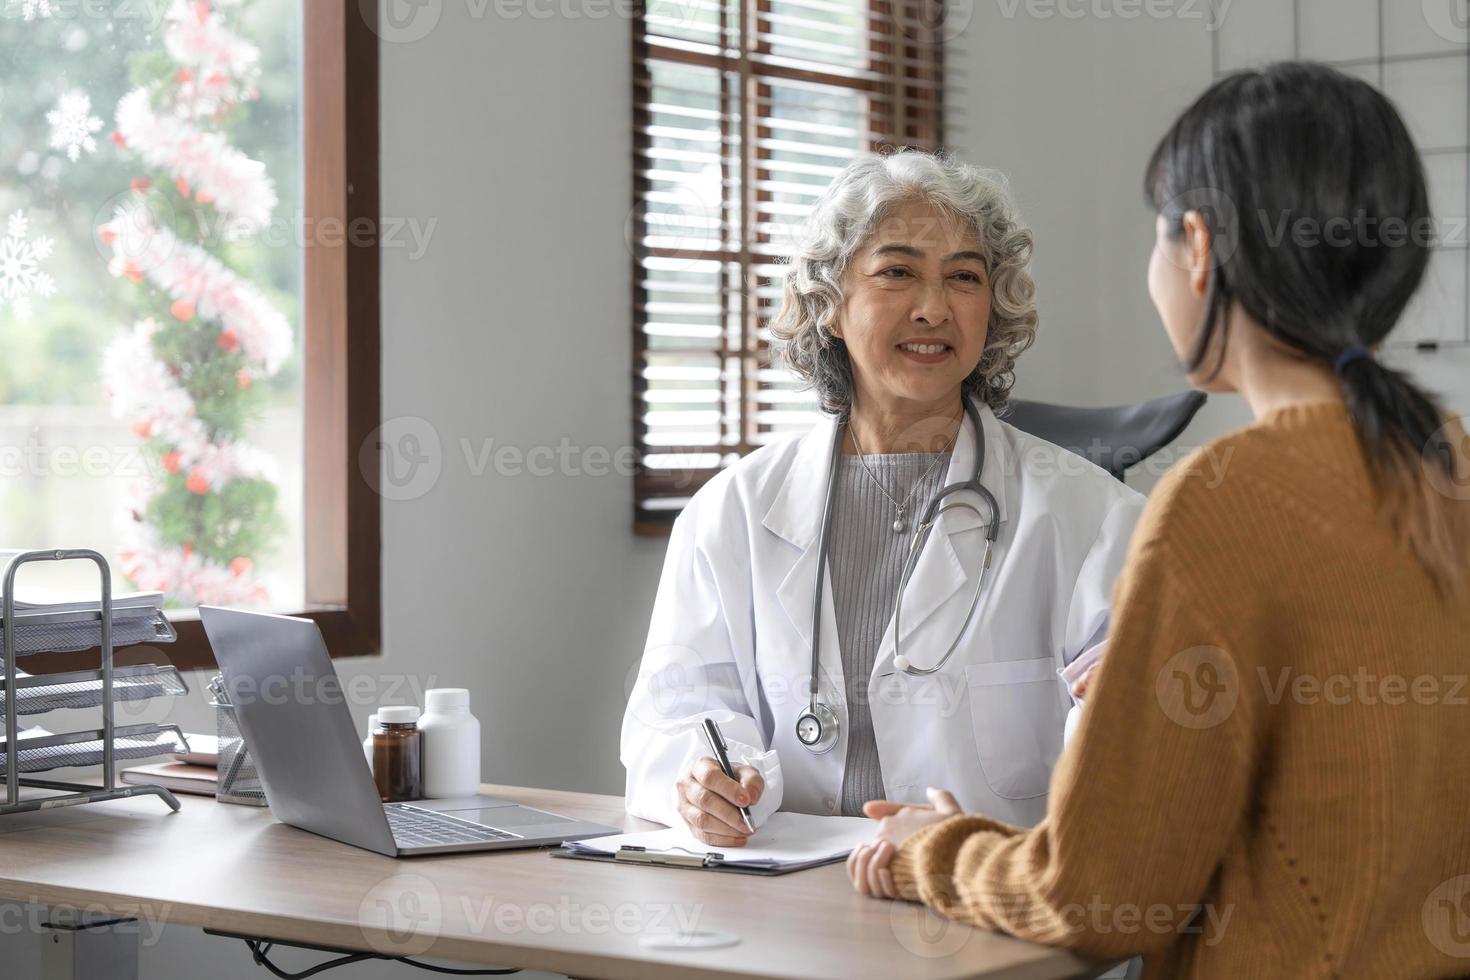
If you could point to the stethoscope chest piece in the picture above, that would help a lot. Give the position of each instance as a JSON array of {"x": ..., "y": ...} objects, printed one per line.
[{"x": 817, "y": 728}]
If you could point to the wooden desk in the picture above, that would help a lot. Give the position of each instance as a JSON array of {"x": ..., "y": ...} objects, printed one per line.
[{"x": 234, "y": 868}]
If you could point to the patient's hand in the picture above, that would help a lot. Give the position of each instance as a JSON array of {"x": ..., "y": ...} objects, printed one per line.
[
  {"x": 867, "y": 865},
  {"x": 1079, "y": 687}
]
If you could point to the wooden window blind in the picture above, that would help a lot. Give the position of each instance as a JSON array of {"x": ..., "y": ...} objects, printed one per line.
[{"x": 743, "y": 112}]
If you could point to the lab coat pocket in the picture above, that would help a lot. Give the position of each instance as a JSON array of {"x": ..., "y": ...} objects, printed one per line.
[{"x": 1018, "y": 714}]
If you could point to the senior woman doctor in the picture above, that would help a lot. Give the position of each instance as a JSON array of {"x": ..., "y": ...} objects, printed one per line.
[{"x": 905, "y": 308}]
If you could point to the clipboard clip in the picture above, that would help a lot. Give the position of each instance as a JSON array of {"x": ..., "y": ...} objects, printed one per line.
[{"x": 642, "y": 855}]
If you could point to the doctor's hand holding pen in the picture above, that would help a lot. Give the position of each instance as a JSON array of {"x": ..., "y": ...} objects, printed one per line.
[{"x": 710, "y": 801}]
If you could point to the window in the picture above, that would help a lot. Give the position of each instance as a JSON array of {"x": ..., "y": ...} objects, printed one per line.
[
  {"x": 743, "y": 112},
  {"x": 177, "y": 293}
]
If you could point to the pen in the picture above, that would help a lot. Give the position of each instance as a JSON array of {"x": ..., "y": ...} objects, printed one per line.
[{"x": 717, "y": 746}]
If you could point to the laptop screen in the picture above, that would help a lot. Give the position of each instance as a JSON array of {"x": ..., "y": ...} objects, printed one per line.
[{"x": 297, "y": 726}]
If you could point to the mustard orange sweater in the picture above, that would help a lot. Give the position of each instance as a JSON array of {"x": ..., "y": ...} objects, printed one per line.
[{"x": 1272, "y": 774}]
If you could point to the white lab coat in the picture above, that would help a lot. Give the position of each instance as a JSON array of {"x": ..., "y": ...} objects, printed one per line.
[{"x": 731, "y": 626}]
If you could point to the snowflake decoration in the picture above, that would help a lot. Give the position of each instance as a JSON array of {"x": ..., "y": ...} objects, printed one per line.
[
  {"x": 30, "y": 9},
  {"x": 21, "y": 275},
  {"x": 72, "y": 125}
]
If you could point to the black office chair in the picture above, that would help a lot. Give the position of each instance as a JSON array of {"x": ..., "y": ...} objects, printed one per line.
[{"x": 1113, "y": 438}]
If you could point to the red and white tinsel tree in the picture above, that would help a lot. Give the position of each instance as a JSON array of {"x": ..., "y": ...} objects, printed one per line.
[{"x": 186, "y": 375}]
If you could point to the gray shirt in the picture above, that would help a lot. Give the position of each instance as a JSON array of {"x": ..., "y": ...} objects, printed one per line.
[{"x": 865, "y": 559}]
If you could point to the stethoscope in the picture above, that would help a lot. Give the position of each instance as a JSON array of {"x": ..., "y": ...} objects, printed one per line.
[{"x": 818, "y": 727}]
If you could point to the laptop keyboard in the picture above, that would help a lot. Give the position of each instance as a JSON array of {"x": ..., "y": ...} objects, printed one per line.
[{"x": 415, "y": 827}]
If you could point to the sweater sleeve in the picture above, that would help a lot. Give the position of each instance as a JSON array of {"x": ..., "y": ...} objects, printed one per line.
[{"x": 1144, "y": 800}]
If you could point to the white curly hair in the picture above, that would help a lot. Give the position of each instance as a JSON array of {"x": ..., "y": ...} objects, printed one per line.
[{"x": 853, "y": 206}]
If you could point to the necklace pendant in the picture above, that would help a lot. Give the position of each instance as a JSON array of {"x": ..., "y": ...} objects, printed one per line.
[{"x": 898, "y": 524}]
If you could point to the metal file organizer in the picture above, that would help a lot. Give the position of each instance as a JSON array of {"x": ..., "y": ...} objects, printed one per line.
[{"x": 42, "y": 631}]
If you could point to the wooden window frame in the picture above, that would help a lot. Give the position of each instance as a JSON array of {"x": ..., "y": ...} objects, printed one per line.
[
  {"x": 340, "y": 320},
  {"x": 909, "y": 33}
]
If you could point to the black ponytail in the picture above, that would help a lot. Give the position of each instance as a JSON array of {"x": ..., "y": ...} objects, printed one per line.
[{"x": 1318, "y": 211}]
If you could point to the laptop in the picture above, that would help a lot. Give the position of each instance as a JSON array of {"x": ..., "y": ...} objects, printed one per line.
[{"x": 296, "y": 725}]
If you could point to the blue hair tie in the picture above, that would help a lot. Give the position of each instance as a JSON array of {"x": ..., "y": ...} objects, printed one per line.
[{"x": 1349, "y": 356}]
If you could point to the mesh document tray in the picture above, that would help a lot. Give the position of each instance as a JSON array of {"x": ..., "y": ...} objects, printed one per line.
[
  {"x": 67, "y": 633},
  {"x": 139, "y": 742},
  {"x": 34, "y": 695}
]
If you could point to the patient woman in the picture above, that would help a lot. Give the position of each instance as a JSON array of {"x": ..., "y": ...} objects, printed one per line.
[{"x": 1272, "y": 775}]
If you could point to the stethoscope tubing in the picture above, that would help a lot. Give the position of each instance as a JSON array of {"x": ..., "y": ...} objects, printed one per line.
[{"x": 921, "y": 536}]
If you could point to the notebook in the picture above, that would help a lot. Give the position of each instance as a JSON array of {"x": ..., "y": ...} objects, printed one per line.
[
  {"x": 785, "y": 842},
  {"x": 177, "y": 776}
]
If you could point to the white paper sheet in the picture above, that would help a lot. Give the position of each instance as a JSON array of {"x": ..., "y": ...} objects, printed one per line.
[
  {"x": 786, "y": 838},
  {"x": 35, "y": 599}
]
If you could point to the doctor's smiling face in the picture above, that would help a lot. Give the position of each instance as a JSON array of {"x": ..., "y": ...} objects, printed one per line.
[{"x": 915, "y": 312}]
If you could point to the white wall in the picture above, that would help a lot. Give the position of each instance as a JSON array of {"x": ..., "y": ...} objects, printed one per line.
[{"x": 531, "y": 591}]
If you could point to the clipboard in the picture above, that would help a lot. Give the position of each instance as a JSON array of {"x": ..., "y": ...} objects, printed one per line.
[
  {"x": 634, "y": 856},
  {"x": 789, "y": 841}
]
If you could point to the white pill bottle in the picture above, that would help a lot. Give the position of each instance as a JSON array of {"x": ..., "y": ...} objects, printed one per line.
[
  {"x": 451, "y": 744},
  {"x": 367, "y": 743}
]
